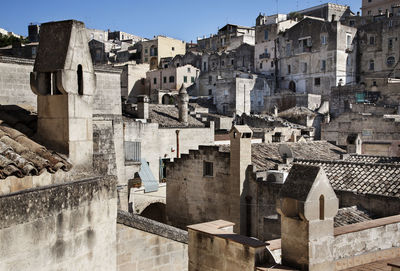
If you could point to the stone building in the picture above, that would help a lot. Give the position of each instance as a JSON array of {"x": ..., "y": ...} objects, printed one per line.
[
  {"x": 308, "y": 205},
  {"x": 164, "y": 83},
  {"x": 152, "y": 51},
  {"x": 329, "y": 11},
  {"x": 51, "y": 228},
  {"x": 378, "y": 43},
  {"x": 119, "y": 35},
  {"x": 266, "y": 52},
  {"x": 317, "y": 55},
  {"x": 228, "y": 38},
  {"x": 378, "y": 7}
]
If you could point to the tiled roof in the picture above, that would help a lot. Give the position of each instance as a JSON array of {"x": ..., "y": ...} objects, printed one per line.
[
  {"x": 266, "y": 156},
  {"x": 19, "y": 155},
  {"x": 373, "y": 159},
  {"x": 361, "y": 178},
  {"x": 351, "y": 215},
  {"x": 168, "y": 116},
  {"x": 297, "y": 111}
]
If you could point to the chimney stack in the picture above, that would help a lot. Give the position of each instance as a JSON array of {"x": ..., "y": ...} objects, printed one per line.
[
  {"x": 183, "y": 105},
  {"x": 142, "y": 107},
  {"x": 240, "y": 160},
  {"x": 63, "y": 79}
]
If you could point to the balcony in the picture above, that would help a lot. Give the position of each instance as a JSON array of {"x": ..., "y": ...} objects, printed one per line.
[
  {"x": 264, "y": 56},
  {"x": 301, "y": 50}
]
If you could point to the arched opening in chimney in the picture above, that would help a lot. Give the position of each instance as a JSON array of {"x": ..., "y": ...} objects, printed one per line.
[
  {"x": 321, "y": 207},
  {"x": 80, "y": 79}
]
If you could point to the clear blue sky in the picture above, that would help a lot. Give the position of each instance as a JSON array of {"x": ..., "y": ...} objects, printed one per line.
[{"x": 182, "y": 19}]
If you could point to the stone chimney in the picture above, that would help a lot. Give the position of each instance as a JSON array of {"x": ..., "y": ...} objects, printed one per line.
[
  {"x": 183, "y": 105},
  {"x": 63, "y": 79},
  {"x": 307, "y": 205},
  {"x": 240, "y": 159},
  {"x": 142, "y": 107}
]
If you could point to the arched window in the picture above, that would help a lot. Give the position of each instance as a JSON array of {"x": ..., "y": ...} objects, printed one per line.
[
  {"x": 80, "y": 79},
  {"x": 390, "y": 61},
  {"x": 321, "y": 207}
]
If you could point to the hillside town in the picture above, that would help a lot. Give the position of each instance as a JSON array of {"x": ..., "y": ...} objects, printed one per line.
[{"x": 272, "y": 146}]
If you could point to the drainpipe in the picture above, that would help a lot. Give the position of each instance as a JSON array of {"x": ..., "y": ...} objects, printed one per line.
[{"x": 177, "y": 143}]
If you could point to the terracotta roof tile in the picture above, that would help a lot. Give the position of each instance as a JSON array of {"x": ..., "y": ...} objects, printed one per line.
[{"x": 19, "y": 155}]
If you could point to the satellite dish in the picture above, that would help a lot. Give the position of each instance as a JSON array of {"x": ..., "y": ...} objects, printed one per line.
[{"x": 284, "y": 151}]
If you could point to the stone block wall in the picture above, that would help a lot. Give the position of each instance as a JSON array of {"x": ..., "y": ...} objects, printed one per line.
[
  {"x": 14, "y": 81},
  {"x": 367, "y": 242},
  {"x": 60, "y": 227},
  {"x": 143, "y": 244}
]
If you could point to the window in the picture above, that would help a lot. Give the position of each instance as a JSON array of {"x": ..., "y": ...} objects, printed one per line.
[
  {"x": 171, "y": 79},
  {"x": 208, "y": 169},
  {"x": 317, "y": 81},
  {"x": 260, "y": 65},
  {"x": 204, "y": 66},
  {"x": 210, "y": 92},
  {"x": 352, "y": 23},
  {"x": 288, "y": 49},
  {"x": 185, "y": 79},
  {"x": 372, "y": 40},
  {"x": 188, "y": 69},
  {"x": 210, "y": 79},
  {"x": 173, "y": 48},
  {"x": 145, "y": 59},
  {"x": 222, "y": 63},
  {"x": 192, "y": 79},
  {"x": 154, "y": 80},
  {"x": 390, "y": 61},
  {"x": 146, "y": 51},
  {"x": 304, "y": 67},
  {"x": 323, "y": 65},
  {"x": 369, "y": 1},
  {"x": 165, "y": 66},
  {"x": 289, "y": 69},
  {"x": 369, "y": 12},
  {"x": 390, "y": 43},
  {"x": 165, "y": 79},
  {"x": 132, "y": 151},
  {"x": 232, "y": 61},
  {"x": 272, "y": 64},
  {"x": 323, "y": 39},
  {"x": 371, "y": 65},
  {"x": 266, "y": 34}
]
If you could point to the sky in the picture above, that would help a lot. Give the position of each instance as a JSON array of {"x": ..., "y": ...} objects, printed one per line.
[{"x": 181, "y": 19}]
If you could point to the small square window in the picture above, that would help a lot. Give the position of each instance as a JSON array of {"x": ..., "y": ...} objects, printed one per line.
[
  {"x": 317, "y": 81},
  {"x": 208, "y": 169},
  {"x": 188, "y": 69},
  {"x": 173, "y": 48}
]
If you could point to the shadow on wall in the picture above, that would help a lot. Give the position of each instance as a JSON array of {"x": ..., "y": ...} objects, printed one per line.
[{"x": 155, "y": 211}]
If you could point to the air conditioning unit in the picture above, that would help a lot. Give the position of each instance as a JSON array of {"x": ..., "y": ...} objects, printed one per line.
[{"x": 276, "y": 176}]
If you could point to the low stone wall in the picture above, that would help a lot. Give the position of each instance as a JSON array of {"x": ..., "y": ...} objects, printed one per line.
[
  {"x": 367, "y": 242},
  {"x": 144, "y": 244},
  {"x": 60, "y": 227}
]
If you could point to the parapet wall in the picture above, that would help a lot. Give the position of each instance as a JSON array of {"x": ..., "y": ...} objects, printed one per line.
[
  {"x": 367, "y": 242},
  {"x": 165, "y": 246},
  {"x": 60, "y": 227}
]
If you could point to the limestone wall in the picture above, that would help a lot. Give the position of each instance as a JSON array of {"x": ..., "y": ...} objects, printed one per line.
[
  {"x": 62, "y": 227},
  {"x": 165, "y": 247},
  {"x": 14, "y": 81},
  {"x": 194, "y": 198},
  {"x": 159, "y": 143},
  {"x": 367, "y": 242}
]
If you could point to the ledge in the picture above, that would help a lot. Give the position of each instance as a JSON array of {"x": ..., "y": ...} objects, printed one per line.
[
  {"x": 367, "y": 225},
  {"x": 151, "y": 226}
]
